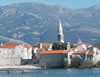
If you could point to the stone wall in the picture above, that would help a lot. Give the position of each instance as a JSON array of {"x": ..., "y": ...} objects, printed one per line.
[
  {"x": 52, "y": 60},
  {"x": 26, "y": 62},
  {"x": 10, "y": 61}
]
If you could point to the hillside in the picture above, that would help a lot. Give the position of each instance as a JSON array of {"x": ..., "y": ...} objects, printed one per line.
[{"x": 34, "y": 22}]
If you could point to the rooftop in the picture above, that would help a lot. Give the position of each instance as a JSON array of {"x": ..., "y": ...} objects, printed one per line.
[
  {"x": 8, "y": 45},
  {"x": 56, "y": 51},
  {"x": 44, "y": 44}
]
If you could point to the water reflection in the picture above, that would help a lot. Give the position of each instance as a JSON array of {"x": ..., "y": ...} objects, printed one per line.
[{"x": 69, "y": 70}]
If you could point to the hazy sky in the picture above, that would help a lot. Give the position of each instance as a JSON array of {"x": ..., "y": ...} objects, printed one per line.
[{"x": 66, "y": 3}]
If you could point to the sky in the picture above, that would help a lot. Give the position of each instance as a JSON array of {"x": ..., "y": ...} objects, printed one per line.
[{"x": 75, "y": 4}]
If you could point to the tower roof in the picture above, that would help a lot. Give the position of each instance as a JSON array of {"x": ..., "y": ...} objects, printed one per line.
[
  {"x": 60, "y": 30},
  {"x": 60, "y": 33}
]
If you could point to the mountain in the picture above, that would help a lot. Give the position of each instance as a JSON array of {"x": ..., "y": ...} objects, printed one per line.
[{"x": 34, "y": 22}]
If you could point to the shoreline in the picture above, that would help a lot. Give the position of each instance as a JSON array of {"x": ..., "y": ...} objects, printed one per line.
[{"x": 19, "y": 68}]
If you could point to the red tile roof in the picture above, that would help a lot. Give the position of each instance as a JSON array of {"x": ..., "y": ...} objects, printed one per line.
[
  {"x": 12, "y": 45},
  {"x": 52, "y": 52},
  {"x": 56, "y": 51},
  {"x": 27, "y": 46},
  {"x": 8, "y": 45},
  {"x": 36, "y": 45},
  {"x": 44, "y": 44}
]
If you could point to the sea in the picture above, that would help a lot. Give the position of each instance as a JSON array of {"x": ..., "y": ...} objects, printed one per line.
[{"x": 94, "y": 72}]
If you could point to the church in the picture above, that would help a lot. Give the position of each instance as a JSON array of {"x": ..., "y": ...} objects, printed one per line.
[
  {"x": 88, "y": 55},
  {"x": 54, "y": 58}
]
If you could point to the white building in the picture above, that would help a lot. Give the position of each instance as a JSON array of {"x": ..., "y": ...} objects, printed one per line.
[
  {"x": 24, "y": 51},
  {"x": 11, "y": 54},
  {"x": 37, "y": 48}
]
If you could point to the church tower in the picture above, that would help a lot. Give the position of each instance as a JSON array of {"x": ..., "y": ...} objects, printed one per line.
[{"x": 60, "y": 33}]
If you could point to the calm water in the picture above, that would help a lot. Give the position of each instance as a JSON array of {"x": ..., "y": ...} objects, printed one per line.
[{"x": 54, "y": 73}]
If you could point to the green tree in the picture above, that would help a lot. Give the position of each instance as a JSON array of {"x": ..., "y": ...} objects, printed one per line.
[{"x": 57, "y": 46}]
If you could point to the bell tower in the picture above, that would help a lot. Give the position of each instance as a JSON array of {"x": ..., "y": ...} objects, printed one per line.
[{"x": 60, "y": 33}]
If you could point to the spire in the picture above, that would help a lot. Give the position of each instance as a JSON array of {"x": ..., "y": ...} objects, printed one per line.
[
  {"x": 79, "y": 42},
  {"x": 60, "y": 30},
  {"x": 60, "y": 33}
]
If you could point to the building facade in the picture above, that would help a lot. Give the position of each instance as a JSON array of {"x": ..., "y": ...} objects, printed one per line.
[{"x": 12, "y": 54}]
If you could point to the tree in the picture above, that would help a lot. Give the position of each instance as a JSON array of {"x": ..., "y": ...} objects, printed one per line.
[
  {"x": 76, "y": 61},
  {"x": 57, "y": 46}
]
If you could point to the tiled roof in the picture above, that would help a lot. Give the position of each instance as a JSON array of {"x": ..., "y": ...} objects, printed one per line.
[
  {"x": 27, "y": 46},
  {"x": 44, "y": 44},
  {"x": 8, "y": 45},
  {"x": 56, "y": 51},
  {"x": 52, "y": 52},
  {"x": 12, "y": 45},
  {"x": 35, "y": 45}
]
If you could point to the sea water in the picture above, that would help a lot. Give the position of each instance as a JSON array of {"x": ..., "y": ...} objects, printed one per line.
[{"x": 95, "y": 72}]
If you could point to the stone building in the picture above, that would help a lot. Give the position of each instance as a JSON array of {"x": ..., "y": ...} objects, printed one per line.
[
  {"x": 37, "y": 48},
  {"x": 56, "y": 58},
  {"x": 12, "y": 54},
  {"x": 53, "y": 58}
]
